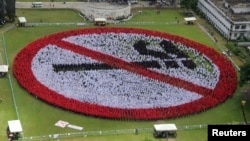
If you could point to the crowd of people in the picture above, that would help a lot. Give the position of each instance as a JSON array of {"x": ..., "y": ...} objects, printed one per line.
[
  {"x": 124, "y": 46},
  {"x": 104, "y": 86},
  {"x": 49, "y": 69}
]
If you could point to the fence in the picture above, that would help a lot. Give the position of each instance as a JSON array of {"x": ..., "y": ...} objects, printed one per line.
[
  {"x": 109, "y": 21},
  {"x": 9, "y": 77},
  {"x": 102, "y": 133},
  {"x": 54, "y": 24},
  {"x": 114, "y": 132}
]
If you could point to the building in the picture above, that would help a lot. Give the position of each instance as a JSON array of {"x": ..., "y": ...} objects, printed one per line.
[
  {"x": 230, "y": 17},
  {"x": 7, "y": 10}
]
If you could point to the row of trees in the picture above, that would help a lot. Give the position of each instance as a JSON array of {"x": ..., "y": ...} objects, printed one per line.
[
  {"x": 189, "y": 4},
  {"x": 7, "y": 11}
]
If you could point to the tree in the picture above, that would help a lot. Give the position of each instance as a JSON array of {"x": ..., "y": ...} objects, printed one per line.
[
  {"x": 184, "y": 4},
  {"x": 244, "y": 74},
  {"x": 189, "y": 4}
]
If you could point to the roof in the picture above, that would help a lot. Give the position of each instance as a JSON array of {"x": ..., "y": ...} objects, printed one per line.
[
  {"x": 100, "y": 19},
  {"x": 22, "y": 19},
  {"x": 165, "y": 127},
  {"x": 242, "y": 14},
  {"x": 15, "y": 126},
  {"x": 189, "y": 19},
  {"x": 3, "y": 68},
  {"x": 233, "y": 2}
]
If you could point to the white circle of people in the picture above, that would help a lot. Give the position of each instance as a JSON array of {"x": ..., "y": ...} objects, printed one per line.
[{"x": 117, "y": 87}]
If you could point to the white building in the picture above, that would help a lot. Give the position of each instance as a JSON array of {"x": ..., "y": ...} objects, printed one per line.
[{"x": 230, "y": 17}]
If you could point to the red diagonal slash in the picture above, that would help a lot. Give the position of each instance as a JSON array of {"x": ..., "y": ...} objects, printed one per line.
[{"x": 132, "y": 67}]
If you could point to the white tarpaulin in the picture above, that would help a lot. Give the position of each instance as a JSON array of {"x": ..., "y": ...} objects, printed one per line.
[
  {"x": 3, "y": 68},
  {"x": 15, "y": 126},
  {"x": 61, "y": 123},
  {"x": 165, "y": 127}
]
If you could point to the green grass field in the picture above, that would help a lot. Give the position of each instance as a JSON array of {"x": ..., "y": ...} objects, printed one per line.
[{"x": 38, "y": 118}]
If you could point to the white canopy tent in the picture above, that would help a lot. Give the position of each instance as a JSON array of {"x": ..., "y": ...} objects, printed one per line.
[
  {"x": 190, "y": 19},
  {"x": 21, "y": 21},
  {"x": 15, "y": 126},
  {"x": 165, "y": 127},
  {"x": 164, "y": 130},
  {"x": 4, "y": 68},
  {"x": 100, "y": 21}
]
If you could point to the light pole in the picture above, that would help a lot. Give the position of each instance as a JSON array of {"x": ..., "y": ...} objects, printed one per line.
[{"x": 243, "y": 102}]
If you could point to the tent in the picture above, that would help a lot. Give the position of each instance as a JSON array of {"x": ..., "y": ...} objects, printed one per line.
[
  {"x": 21, "y": 21},
  {"x": 14, "y": 129},
  {"x": 165, "y": 130},
  {"x": 3, "y": 70},
  {"x": 15, "y": 126},
  {"x": 165, "y": 127},
  {"x": 100, "y": 21},
  {"x": 190, "y": 20}
]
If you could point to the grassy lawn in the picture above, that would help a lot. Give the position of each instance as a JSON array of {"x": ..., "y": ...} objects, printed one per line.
[
  {"x": 38, "y": 118},
  {"x": 51, "y": 16}
]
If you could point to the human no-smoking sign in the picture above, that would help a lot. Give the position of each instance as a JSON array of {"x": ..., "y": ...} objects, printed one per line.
[{"x": 125, "y": 73}]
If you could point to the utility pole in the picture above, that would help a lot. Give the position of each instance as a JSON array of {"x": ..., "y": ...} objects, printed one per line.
[{"x": 243, "y": 103}]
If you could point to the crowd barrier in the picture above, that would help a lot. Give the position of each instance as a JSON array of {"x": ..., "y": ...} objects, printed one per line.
[
  {"x": 9, "y": 77},
  {"x": 54, "y": 24},
  {"x": 115, "y": 132},
  {"x": 103, "y": 133},
  {"x": 113, "y": 22}
]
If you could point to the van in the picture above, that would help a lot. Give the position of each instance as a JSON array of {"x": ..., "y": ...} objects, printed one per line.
[{"x": 37, "y": 4}]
